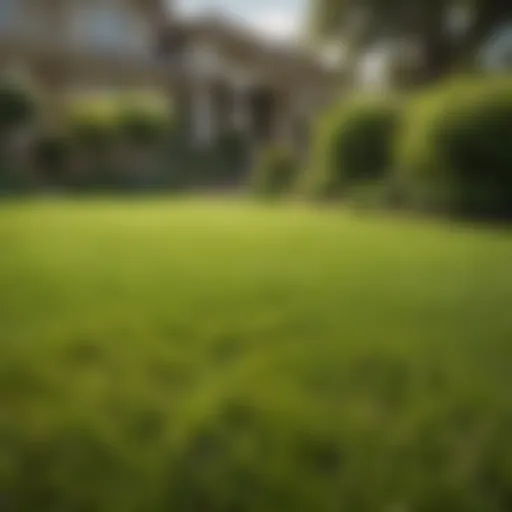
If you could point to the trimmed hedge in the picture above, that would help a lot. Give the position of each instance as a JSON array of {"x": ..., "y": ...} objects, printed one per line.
[
  {"x": 353, "y": 145},
  {"x": 455, "y": 151}
]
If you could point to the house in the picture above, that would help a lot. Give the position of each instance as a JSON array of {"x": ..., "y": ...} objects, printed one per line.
[
  {"x": 74, "y": 46},
  {"x": 222, "y": 77},
  {"x": 232, "y": 80}
]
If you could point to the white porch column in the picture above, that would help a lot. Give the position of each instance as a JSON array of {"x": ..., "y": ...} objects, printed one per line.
[
  {"x": 205, "y": 66},
  {"x": 203, "y": 129}
]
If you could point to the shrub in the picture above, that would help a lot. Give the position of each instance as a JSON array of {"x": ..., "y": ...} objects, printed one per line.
[
  {"x": 353, "y": 144},
  {"x": 51, "y": 153},
  {"x": 92, "y": 130},
  {"x": 455, "y": 150},
  {"x": 120, "y": 139},
  {"x": 17, "y": 105},
  {"x": 17, "y": 109},
  {"x": 276, "y": 172},
  {"x": 98, "y": 121},
  {"x": 142, "y": 126}
]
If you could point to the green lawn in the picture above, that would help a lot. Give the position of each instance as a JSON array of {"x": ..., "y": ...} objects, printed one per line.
[{"x": 208, "y": 356}]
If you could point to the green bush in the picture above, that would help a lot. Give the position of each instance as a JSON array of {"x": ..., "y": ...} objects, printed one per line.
[
  {"x": 275, "y": 173},
  {"x": 122, "y": 141},
  {"x": 143, "y": 127},
  {"x": 93, "y": 135},
  {"x": 17, "y": 109},
  {"x": 97, "y": 122},
  {"x": 353, "y": 144},
  {"x": 51, "y": 154},
  {"x": 17, "y": 105},
  {"x": 455, "y": 150}
]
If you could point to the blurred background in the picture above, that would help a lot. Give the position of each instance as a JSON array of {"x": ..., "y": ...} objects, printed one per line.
[{"x": 199, "y": 94}]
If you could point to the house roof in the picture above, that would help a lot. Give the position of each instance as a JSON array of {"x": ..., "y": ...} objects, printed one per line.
[{"x": 282, "y": 62}]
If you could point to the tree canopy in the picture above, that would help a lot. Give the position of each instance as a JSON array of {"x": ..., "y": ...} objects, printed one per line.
[{"x": 360, "y": 23}]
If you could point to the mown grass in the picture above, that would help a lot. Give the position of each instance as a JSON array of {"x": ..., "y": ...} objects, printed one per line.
[{"x": 202, "y": 356}]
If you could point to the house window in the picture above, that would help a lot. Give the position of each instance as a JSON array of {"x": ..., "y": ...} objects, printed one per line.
[
  {"x": 106, "y": 28},
  {"x": 101, "y": 26},
  {"x": 110, "y": 28}
]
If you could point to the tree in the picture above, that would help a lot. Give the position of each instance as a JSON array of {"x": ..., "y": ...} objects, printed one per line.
[{"x": 362, "y": 23}]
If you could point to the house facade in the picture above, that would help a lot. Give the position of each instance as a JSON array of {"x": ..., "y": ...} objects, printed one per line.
[
  {"x": 232, "y": 81},
  {"x": 219, "y": 77},
  {"x": 77, "y": 46}
]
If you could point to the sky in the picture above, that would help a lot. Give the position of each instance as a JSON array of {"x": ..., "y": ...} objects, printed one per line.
[{"x": 274, "y": 19}]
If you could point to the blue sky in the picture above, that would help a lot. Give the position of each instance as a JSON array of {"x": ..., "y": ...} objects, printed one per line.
[{"x": 277, "y": 19}]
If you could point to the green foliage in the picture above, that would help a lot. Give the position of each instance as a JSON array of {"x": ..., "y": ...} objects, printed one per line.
[
  {"x": 143, "y": 127},
  {"x": 353, "y": 145},
  {"x": 17, "y": 105},
  {"x": 360, "y": 25},
  {"x": 120, "y": 141},
  {"x": 276, "y": 172},
  {"x": 454, "y": 152},
  {"x": 98, "y": 122},
  {"x": 17, "y": 109},
  {"x": 93, "y": 131},
  {"x": 315, "y": 362},
  {"x": 51, "y": 153}
]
